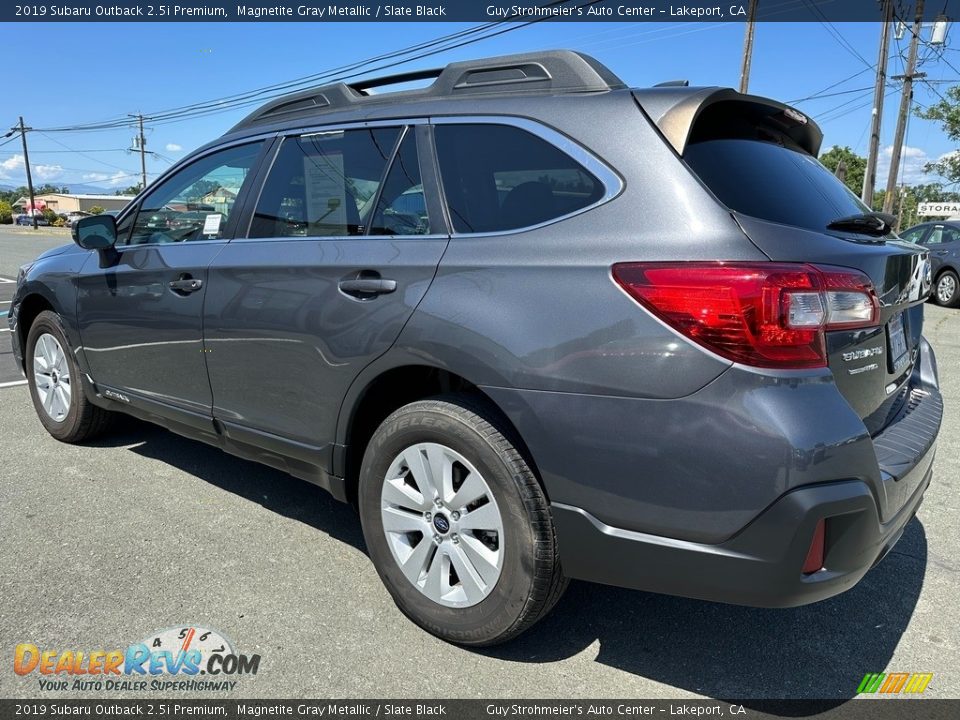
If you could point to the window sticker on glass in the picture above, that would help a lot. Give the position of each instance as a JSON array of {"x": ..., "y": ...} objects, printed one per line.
[
  {"x": 211, "y": 224},
  {"x": 325, "y": 191},
  {"x": 323, "y": 184}
]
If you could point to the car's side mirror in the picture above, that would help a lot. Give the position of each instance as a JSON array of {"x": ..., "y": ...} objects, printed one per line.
[{"x": 98, "y": 232}]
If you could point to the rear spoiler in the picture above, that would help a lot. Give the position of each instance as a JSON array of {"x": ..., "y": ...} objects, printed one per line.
[{"x": 677, "y": 112}]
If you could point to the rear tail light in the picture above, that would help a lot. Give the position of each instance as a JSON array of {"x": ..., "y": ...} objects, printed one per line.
[
  {"x": 814, "y": 561},
  {"x": 772, "y": 315}
]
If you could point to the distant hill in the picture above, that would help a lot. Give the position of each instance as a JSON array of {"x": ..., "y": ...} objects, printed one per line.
[{"x": 77, "y": 188}]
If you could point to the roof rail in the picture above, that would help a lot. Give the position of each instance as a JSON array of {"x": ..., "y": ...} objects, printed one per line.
[{"x": 552, "y": 71}]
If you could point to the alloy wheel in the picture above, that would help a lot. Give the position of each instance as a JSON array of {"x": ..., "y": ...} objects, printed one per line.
[
  {"x": 946, "y": 287},
  {"x": 51, "y": 376},
  {"x": 442, "y": 525}
]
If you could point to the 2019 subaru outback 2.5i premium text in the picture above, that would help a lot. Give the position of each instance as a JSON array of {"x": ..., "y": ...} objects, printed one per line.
[{"x": 537, "y": 325}]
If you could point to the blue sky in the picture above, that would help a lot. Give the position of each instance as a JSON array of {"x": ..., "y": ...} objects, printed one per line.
[{"x": 130, "y": 68}]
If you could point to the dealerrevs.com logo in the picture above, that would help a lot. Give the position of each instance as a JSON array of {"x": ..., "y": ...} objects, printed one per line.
[{"x": 180, "y": 658}]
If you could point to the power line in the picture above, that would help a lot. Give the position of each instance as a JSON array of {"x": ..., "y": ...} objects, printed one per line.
[
  {"x": 932, "y": 89},
  {"x": 828, "y": 95},
  {"x": 863, "y": 94},
  {"x": 445, "y": 43},
  {"x": 837, "y": 35},
  {"x": 822, "y": 118},
  {"x": 819, "y": 93},
  {"x": 80, "y": 152},
  {"x": 949, "y": 64},
  {"x": 92, "y": 150}
]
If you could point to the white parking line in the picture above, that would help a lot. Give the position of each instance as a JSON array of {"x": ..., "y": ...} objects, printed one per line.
[
  {"x": 13, "y": 384},
  {"x": 4, "y": 329},
  {"x": 7, "y": 281}
]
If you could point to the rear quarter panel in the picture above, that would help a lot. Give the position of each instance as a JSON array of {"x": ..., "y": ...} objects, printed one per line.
[{"x": 539, "y": 309}]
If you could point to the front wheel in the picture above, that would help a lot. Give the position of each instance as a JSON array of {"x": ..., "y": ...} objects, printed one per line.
[
  {"x": 457, "y": 524},
  {"x": 947, "y": 290},
  {"x": 57, "y": 384}
]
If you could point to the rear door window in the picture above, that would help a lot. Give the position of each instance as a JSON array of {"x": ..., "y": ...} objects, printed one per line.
[
  {"x": 324, "y": 184},
  {"x": 941, "y": 234},
  {"x": 499, "y": 177},
  {"x": 772, "y": 181}
]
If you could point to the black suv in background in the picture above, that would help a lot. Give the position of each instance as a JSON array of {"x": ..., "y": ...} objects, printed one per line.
[{"x": 535, "y": 324}]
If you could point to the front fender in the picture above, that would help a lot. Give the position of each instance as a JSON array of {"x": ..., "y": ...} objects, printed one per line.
[{"x": 50, "y": 283}]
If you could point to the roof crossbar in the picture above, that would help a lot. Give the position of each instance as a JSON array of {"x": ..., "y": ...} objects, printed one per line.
[{"x": 552, "y": 71}]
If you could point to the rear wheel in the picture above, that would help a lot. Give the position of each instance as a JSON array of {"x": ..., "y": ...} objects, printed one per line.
[
  {"x": 456, "y": 523},
  {"x": 947, "y": 290},
  {"x": 57, "y": 384}
]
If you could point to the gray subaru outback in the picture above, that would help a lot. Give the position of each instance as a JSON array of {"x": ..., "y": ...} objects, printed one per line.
[{"x": 535, "y": 324}]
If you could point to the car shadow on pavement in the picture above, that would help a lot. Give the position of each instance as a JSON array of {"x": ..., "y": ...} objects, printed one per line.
[
  {"x": 819, "y": 651},
  {"x": 273, "y": 489}
]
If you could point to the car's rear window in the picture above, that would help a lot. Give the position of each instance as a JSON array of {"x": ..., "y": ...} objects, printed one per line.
[{"x": 772, "y": 182}]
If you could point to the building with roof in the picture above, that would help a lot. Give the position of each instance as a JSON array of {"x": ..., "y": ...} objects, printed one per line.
[{"x": 69, "y": 202}]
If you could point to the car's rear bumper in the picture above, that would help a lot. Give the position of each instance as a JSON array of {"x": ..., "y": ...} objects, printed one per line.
[
  {"x": 761, "y": 565},
  {"x": 717, "y": 495}
]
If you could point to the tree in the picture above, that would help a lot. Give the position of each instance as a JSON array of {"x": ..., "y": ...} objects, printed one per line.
[
  {"x": 6, "y": 213},
  {"x": 132, "y": 190},
  {"x": 46, "y": 189},
  {"x": 856, "y": 166},
  {"x": 12, "y": 196},
  {"x": 96, "y": 210},
  {"x": 947, "y": 113}
]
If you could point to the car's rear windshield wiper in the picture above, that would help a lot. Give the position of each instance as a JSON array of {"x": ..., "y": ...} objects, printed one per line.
[{"x": 869, "y": 223}]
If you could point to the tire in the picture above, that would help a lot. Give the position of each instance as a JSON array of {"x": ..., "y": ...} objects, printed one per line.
[
  {"x": 942, "y": 295},
  {"x": 469, "y": 437},
  {"x": 60, "y": 398}
]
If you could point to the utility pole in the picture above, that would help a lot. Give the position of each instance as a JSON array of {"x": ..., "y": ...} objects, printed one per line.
[
  {"x": 870, "y": 176},
  {"x": 906, "y": 100},
  {"x": 141, "y": 142},
  {"x": 26, "y": 164},
  {"x": 748, "y": 47}
]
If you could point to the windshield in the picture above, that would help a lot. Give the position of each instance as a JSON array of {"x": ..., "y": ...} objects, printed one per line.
[{"x": 772, "y": 182}]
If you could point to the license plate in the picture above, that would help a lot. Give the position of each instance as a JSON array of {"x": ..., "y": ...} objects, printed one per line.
[{"x": 897, "y": 341}]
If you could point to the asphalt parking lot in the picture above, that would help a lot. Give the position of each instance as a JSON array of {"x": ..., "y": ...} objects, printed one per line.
[
  {"x": 105, "y": 544},
  {"x": 8, "y": 370},
  {"x": 18, "y": 246}
]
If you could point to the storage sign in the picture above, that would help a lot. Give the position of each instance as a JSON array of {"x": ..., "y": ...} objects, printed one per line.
[{"x": 939, "y": 209}]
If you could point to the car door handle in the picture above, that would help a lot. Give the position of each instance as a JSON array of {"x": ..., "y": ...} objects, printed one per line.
[
  {"x": 185, "y": 285},
  {"x": 368, "y": 286}
]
